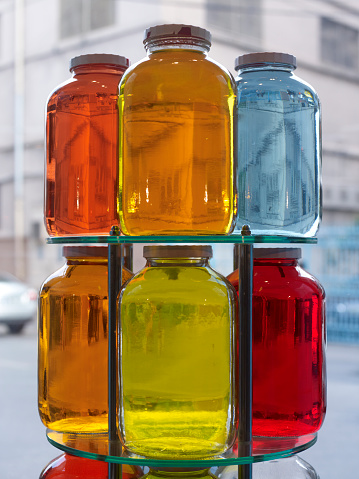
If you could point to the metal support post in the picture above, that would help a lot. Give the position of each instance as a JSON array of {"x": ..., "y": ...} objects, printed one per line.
[
  {"x": 115, "y": 264},
  {"x": 245, "y": 289}
]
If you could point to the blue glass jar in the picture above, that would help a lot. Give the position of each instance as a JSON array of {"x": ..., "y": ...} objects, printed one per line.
[{"x": 279, "y": 147}]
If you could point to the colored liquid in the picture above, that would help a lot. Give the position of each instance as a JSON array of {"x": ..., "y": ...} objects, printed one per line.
[
  {"x": 178, "y": 387},
  {"x": 289, "y": 376},
  {"x": 67, "y": 466},
  {"x": 278, "y": 155},
  {"x": 176, "y": 160},
  {"x": 82, "y": 156},
  {"x": 73, "y": 348}
]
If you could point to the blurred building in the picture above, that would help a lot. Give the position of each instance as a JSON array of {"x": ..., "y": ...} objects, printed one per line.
[{"x": 38, "y": 37}]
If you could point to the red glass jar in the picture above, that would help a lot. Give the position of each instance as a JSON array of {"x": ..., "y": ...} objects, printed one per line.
[
  {"x": 289, "y": 373},
  {"x": 68, "y": 466},
  {"x": 82, "y": 148}
]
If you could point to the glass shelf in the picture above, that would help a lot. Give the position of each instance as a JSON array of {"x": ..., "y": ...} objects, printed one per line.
[
  {"x": 97, "y": 446},
  {"x": 251, "y": 239}
]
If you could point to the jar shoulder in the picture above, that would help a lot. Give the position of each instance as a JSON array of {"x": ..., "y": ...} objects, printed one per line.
[
  {"x": 276, "y": 81},
  {"x": 103, "y": 85},
  {"x": 187, "y": 284},
  {"x": 89, "y": 279},
  {"x": 172, "y": 72},
  {"x": 294, "y": 280},
  {"x": 285, "y": 280}
]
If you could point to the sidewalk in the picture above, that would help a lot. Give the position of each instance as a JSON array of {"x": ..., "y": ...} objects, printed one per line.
[
  {"x": 335, "y": 456},
  {"x": 24, "y": 450}
]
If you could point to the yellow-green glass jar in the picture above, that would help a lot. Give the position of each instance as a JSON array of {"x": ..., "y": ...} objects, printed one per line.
[
  {"x": 73, "y": 343},
  {"x": 178, "y": 384}
]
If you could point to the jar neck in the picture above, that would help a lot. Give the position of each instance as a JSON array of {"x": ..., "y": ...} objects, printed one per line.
[
  {"x": 177, "y": 44},
  {"x": 198, "y": 262},
  {"x": 86, "y": 261},
  {"x": 98, "y": 69},
  {"x": 267, "y": 66},
  {"x": 275, "y": 262},
  {"x": 179, "y": 472}
]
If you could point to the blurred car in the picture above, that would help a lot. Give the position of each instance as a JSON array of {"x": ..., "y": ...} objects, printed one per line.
[{"x": 18, "y": 303}]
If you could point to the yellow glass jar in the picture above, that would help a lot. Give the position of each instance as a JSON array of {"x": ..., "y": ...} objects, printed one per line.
[
  {"x": 176, "y": 154},
  {"x": 178, "y": 383},
  {"x": 73, "y": 343}
]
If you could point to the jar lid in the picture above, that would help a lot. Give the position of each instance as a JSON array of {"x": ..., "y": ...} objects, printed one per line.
[
  {"x": 252, "y": 59},
  {"x": 84, "y": 251},
  {"x": 177, "y": 251},
  {"x": 176, "y": 31},
  {"x": 264, "y": 253},
  {"x": 100, "y": 58}
]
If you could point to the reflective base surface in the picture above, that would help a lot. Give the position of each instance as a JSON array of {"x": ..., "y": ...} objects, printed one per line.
[{"x": 97, "y": 446}]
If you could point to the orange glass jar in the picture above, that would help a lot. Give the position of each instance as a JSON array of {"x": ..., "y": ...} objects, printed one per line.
[
  {"x": 73, "y": 343},
  {"x": 176, "y": 153},
  {"x": 82, "y": 148}
]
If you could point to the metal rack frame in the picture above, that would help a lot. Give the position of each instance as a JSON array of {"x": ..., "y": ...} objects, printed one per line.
[{"x": 243, "y": 256}]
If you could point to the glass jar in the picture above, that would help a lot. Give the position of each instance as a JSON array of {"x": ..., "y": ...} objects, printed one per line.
[
  {"x": 176, "y": 156},
  {"x": 82, "y": 148},
  {"x": 177, "y": 342},
  {"x": 285, "y": 468},
  {"x": 73, "y": 343},
  {"x": 68, "y": 466},
  {"x": 279, "y": 147},
  {"x": 289, "y": 373}
]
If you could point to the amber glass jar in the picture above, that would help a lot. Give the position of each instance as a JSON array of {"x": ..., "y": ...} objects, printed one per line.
[
  {"x": 176, "y": 154},
  {"x": 178, "y": 379},
  {"x": 289, "y": 373},
  {"x": 82, "y": 148},
  {"x": 73, "y": 343},
  {"x": 68, "y": 466}
]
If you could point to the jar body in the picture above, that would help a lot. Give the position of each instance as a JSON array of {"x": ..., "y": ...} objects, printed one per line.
[
  {"x": 289, "y": 372},
  {"x": 176, "y": 158},
  {"x": 82, "y": 154},
  {"x": 179, "y": 387},
  {"x": 73, "y": 347},
  {"x": 293, "y": 467},
  {"x": 279, "y": 153},
  {"x": 68, "y": 466}
]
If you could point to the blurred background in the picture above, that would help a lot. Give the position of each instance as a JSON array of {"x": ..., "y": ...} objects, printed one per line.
[{"x": 37, "y": 40}]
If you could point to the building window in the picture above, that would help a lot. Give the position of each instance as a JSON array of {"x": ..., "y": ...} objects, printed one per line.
[
  {"x": 339, "y": 44},
  {"x": 343, "y": 195},
  {"x": 81, "y": 16},
  {"x": 244, "y": 17}
]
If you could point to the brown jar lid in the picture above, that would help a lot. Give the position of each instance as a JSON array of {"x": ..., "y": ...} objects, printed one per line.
[
  {"x": 99, "y": 58},
  {"x": 252, "y": 59},
  {"x": 177, "y": 251},
  {"x": 278, "y": 253},
  {"x": 177, "y": 31},
  {"x": 77, "y": 251},
  {"x": 86, "y": 251}
]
